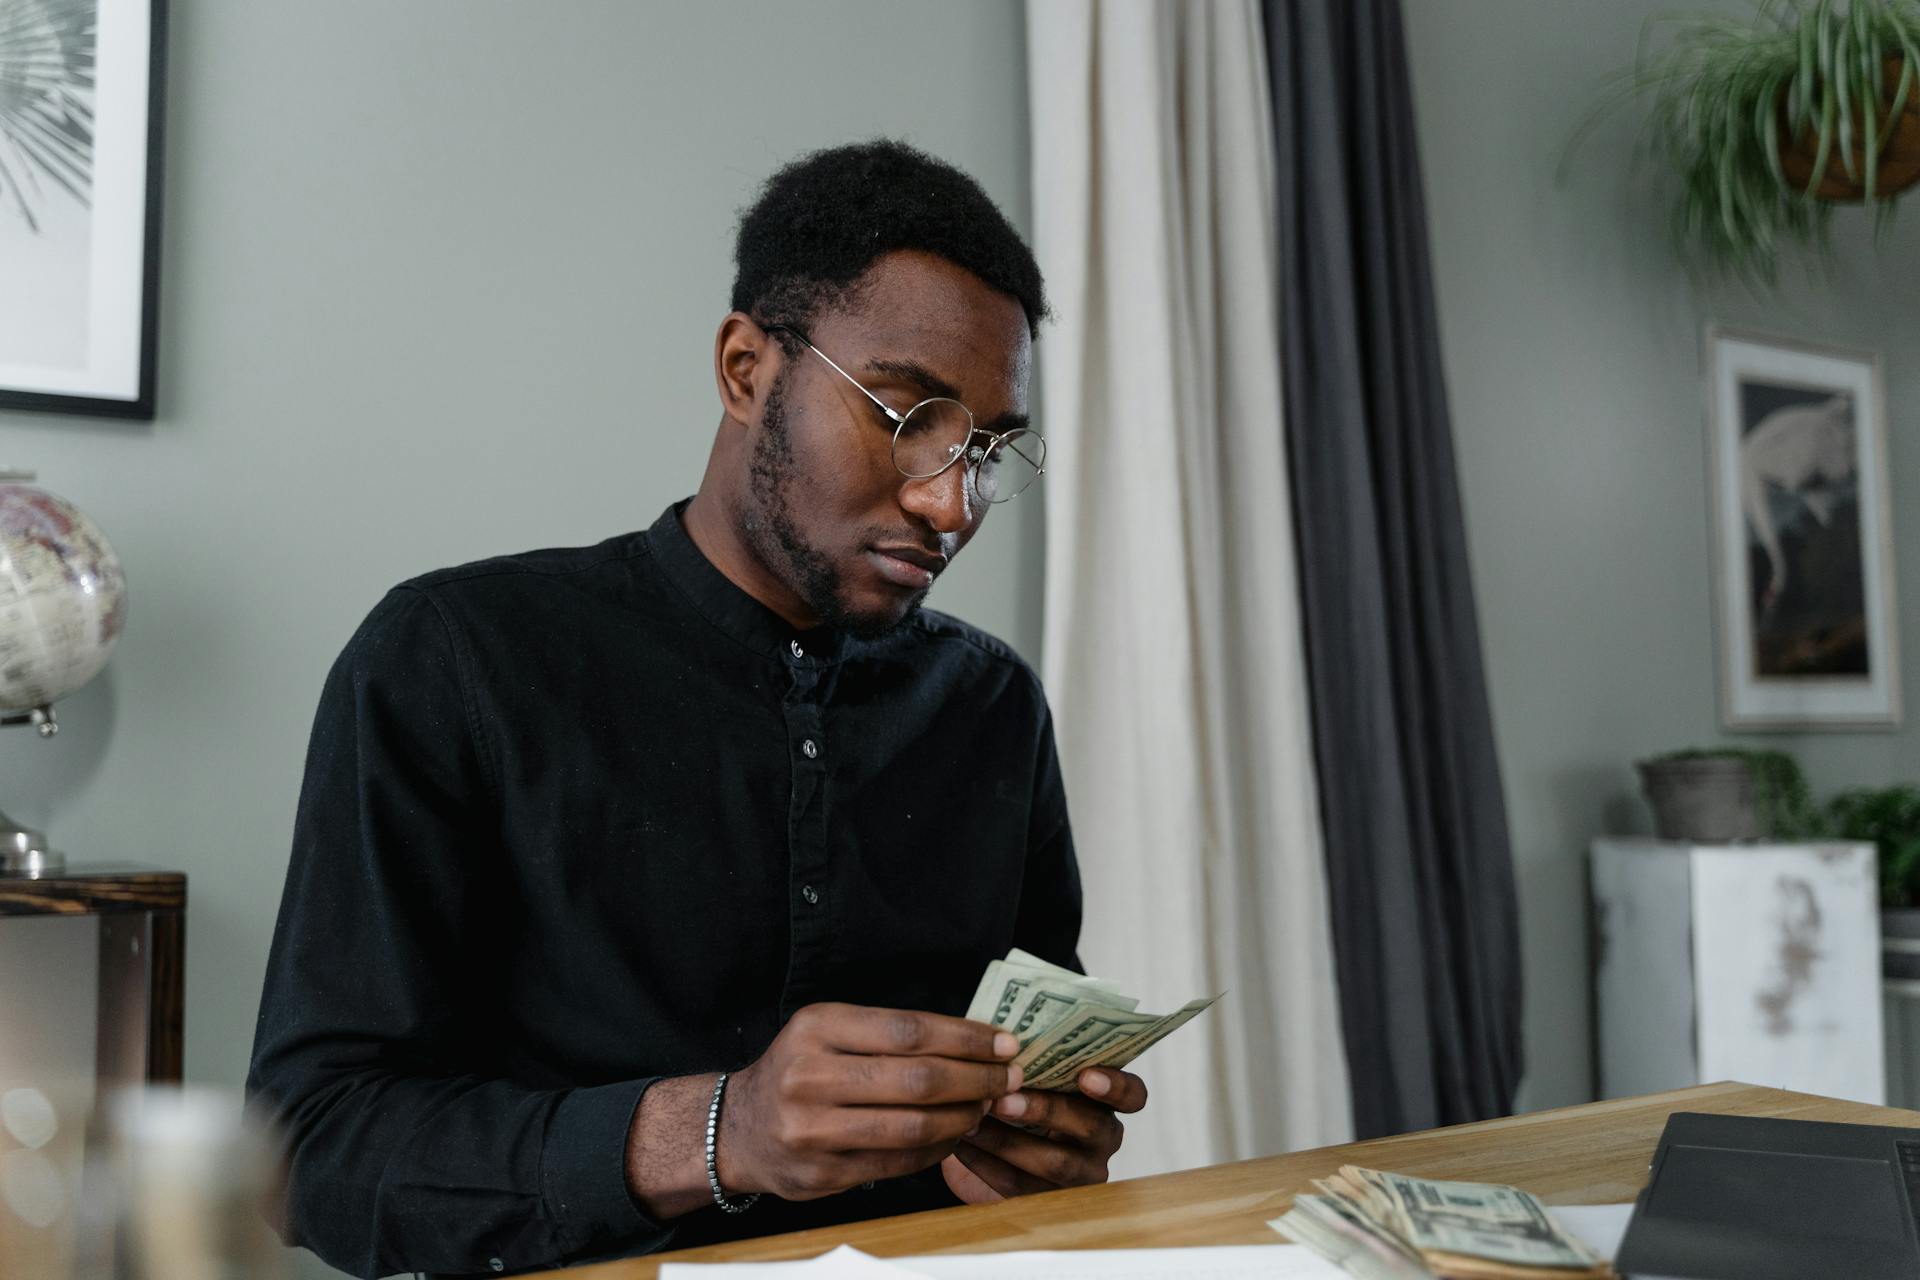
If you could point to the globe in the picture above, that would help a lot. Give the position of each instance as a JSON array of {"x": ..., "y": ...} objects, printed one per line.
[{"x": 63, "y": 599}]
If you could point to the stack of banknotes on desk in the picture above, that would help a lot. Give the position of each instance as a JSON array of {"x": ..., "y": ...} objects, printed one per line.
[
  {"x": 1066, "y": 1022},
  {"x": 1387, "y": 1226}
]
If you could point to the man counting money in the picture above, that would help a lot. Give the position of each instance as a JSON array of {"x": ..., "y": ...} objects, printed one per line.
[{"x": 636, "y": 889}]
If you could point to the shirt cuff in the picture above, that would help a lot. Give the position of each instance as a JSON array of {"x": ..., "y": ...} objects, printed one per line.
[{"x": 583, "y": 1172}]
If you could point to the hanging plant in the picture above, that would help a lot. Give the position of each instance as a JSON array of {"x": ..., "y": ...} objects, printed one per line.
[{"x": 1770, "y": 122}]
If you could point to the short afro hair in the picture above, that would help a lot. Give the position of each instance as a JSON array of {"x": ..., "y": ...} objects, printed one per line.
[{"x": 821, "y": 221}]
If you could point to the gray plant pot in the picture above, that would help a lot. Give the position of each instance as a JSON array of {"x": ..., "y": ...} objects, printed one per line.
[
  {"x": 1900, "y": 942},
  {"x": 1709, "y": 799}
]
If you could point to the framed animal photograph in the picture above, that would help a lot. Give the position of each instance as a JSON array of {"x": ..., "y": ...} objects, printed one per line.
[
  {"x": 1803, "y": 539},
  {"x": 80, "y": 130}
]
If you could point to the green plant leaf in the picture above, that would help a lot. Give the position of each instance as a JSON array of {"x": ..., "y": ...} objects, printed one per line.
[
  {"x": 1823, "y": 35},
  {"x": 1839, "y": 74},
  {"x": 1889, "y": 819},
  {"x": 1766, "y": 123},
  {"x": 1823, "y": 149},
  {"x": 1807, "y": 77},
  {"x": 1871, "y": 53},
  {"x": 1909, "y": 67}
]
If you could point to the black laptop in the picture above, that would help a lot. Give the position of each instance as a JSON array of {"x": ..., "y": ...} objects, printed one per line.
[{"x": 1746, "y": 1198}]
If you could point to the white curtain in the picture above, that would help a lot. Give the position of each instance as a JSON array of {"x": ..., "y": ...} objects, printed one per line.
[{"x": 1173, "y": 654}]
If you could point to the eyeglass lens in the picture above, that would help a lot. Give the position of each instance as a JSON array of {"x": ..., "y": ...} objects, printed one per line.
[{"x": 938, "y": 429}]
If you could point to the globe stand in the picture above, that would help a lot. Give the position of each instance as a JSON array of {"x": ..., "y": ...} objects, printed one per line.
[
  {"x": 40, "y": 718},
  {"x": 23, "y": 851}
]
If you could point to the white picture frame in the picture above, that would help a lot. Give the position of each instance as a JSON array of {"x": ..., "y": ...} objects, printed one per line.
[{"x": 1806, "y": 625}]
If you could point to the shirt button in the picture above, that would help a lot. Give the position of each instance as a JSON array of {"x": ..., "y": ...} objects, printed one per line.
[
  {"x": 866, "y": 1186},
  {"x": 808, "y": 749},
  {"x": 496, "y": 1264},
  {"x": 798, "y": 652},
  {"x": 811, "y": 894}
]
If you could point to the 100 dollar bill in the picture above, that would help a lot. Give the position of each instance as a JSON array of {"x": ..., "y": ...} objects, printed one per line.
[
  {"x": 1066, "y": 1021},
  {"x": 1011, "y": 988},
  {"x": 1479, "y": 1220},
  {"x": 1097, "y": 1036},
  {"x": 1464, "y": 1229}
]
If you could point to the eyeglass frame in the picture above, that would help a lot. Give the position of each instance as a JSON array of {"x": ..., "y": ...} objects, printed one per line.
[{"x": 899, "y": 420}]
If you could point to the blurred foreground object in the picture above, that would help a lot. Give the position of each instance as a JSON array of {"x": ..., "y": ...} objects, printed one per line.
[
  {"x": 63, "y": 602},
  {"x": 171, "y": 1188},
  {"x": 42, "y": 1136},
  {"x": 183, "y": 1181}
]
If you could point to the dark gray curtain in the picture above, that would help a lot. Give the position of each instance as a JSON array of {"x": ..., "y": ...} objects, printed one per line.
[{"x": 1420, "y": 875}]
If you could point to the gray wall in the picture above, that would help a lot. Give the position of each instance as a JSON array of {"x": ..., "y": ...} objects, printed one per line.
[
  {"x": 441, "y": 281},
  {"x": 1572, "y": 348}
]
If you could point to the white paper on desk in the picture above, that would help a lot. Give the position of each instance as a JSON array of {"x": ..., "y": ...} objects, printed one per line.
[
  {"x": 1230, "y": 1262},
  {"x": 1601, "y": 1225},
  {"x": 844, "y": 1263}
]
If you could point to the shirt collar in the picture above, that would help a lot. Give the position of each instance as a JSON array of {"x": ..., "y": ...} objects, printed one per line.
[{"x": 729, "y": 608}]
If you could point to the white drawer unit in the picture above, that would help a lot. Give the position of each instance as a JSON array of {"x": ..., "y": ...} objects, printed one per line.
[{"x": 1751, "y": 962}]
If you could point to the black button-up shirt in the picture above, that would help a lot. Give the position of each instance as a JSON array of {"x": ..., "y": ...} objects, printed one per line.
[{"x": 577, "y": 820}]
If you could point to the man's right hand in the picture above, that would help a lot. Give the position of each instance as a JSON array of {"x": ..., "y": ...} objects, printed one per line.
[{"x": 847, "y": 1094}]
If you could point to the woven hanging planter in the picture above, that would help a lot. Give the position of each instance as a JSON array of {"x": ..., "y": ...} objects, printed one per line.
[{"x": 1899, "y": 155}]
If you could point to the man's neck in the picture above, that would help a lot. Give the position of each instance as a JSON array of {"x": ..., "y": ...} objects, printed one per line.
[{"x": 718, "y": 538}]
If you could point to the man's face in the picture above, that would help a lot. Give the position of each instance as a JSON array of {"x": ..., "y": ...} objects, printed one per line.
[{"x": 825, "y": 508}]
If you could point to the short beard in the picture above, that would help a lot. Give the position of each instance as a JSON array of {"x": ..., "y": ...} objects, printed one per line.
[{"x": 778, "y": 542}]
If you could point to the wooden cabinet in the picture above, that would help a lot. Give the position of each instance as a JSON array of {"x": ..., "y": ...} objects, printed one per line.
[{"x": 141, "y": 951}]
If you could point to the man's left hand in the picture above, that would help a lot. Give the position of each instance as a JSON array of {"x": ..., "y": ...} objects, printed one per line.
[{"x": 1065, "y": 1139}]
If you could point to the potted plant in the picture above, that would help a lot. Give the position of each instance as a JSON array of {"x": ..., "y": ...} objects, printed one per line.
[
  {"x": 1889, "y": 818},
  {"x": 1769, "y": 122},
  {"x": 1716, "y": 794}
]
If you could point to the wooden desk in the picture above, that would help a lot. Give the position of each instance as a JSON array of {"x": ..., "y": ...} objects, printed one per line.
[{"x": 1593, "y": 1154}]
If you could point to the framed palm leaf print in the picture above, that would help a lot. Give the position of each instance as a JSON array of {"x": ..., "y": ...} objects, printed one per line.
[{"x": 80, "y": 133}]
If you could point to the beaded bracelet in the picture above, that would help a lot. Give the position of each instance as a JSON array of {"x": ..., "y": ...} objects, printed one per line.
[{"x": 739, "y": 1204}]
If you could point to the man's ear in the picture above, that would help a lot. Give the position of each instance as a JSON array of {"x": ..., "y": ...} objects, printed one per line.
[{"x": 746, "y": 360}]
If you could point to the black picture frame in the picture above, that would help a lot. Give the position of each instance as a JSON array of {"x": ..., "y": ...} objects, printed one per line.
[{"x": 136, "y": 402}]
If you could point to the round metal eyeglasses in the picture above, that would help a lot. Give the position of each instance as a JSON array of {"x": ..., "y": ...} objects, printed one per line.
[{"x": 939, "y": 431}]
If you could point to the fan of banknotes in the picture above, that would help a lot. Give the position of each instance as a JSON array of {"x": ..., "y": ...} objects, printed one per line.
[
  {"x": 1066, "y": 1022},
  {"x": 1387, "y": 1226}
]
